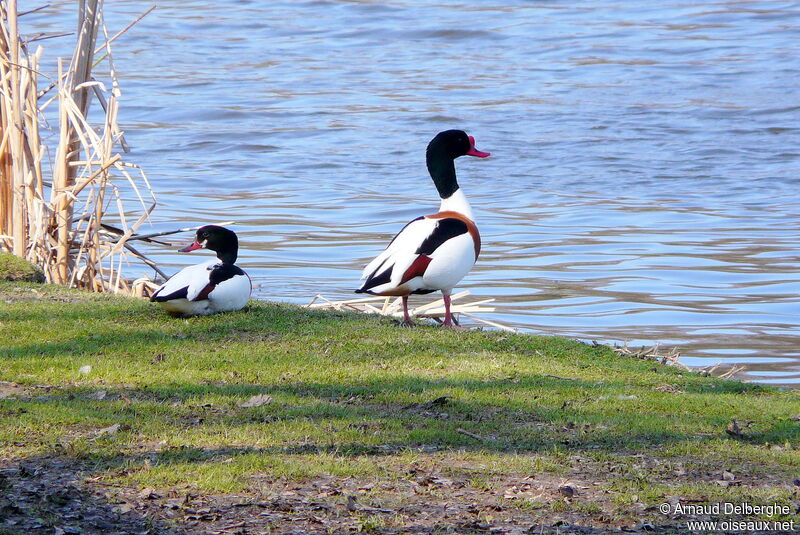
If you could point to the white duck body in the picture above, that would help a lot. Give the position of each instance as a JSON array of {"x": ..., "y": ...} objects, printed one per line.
[
  {"x": 213, "y": 286},
  {"x": 431, "y": 253},
  {"x": 231, "y": 294}
]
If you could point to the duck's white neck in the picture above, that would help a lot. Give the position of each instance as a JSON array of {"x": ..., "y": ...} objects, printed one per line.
[{"x": 457, "y": 202}]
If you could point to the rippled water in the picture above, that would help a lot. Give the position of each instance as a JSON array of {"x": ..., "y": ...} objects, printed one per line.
[{"x": 645, "y": 170}]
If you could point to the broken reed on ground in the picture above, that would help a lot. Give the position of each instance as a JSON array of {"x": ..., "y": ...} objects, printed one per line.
[
  {"x": 55, "y": 211},
  {"x": 392, "y": 307}
]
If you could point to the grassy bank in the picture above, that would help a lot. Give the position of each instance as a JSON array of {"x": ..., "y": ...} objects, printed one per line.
[
  {"x": 13, "y": 268},
  {"x": 286, "y": 420}
]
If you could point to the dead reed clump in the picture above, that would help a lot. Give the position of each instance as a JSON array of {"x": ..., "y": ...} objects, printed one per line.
[
  {"x": 670, "y": 358},
  {"x": 70, "y": 214}
]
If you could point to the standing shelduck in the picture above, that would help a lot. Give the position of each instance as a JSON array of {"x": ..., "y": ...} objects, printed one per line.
[
  {"x": 213, "y": 286},
  {"x": 432, "y": 252}
]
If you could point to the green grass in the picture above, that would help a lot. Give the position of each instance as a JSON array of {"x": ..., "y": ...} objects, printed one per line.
[
  {"x": 350, "y": 399},
  {"x": 13, "y": 268}
]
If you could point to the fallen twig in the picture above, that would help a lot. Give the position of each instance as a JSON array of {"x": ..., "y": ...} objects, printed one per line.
[
  {"x": 470, "y": 435},
  {"x": 733, "y": 371},
  {"x": 559, "y": 377}
]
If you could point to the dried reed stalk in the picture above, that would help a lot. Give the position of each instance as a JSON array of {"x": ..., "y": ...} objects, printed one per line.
[{"x": 59, "y": 224}]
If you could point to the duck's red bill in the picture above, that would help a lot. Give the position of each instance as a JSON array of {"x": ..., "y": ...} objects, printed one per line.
[
  {"x": 192, "y": 247},
  {"x": 475, "y": 152}
]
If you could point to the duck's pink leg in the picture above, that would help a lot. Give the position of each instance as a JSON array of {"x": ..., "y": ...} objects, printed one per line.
[
  {"x": 448, "y": 317},
  {"x": 406, "y": 317}
]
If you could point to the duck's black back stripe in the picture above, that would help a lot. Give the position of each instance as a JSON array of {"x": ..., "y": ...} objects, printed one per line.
[{"x": 446, "y": 229}]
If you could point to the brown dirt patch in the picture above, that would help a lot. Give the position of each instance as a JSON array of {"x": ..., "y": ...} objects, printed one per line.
[{"x": 53, "y": 495}]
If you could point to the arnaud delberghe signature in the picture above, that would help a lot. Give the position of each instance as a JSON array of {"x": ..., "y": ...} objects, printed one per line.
[{"x": 726, "y": 508}]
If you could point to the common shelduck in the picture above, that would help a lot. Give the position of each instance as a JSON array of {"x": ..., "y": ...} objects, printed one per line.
[
  {"x": 432, "y": 252},
  {"x": 214, "y": 286}
]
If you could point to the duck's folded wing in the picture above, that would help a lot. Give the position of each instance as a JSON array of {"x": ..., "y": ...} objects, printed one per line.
[
  {"x": 409, "y": 253},
  {"x": 188, "y": 283},
  {"x": 400, "y": 242}
]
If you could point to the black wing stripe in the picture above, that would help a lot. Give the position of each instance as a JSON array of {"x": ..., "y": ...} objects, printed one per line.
[
  {"x": 377, "y": 269},
  {"x": 445, "y": 229},
  {"x": 177, "y": 294},
  {"x": 374, "y": 281}
]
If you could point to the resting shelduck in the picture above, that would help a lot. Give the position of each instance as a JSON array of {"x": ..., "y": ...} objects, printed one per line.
[
  {"x": 432, "y": 252},
  {"x": 214, "y": 286}
]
